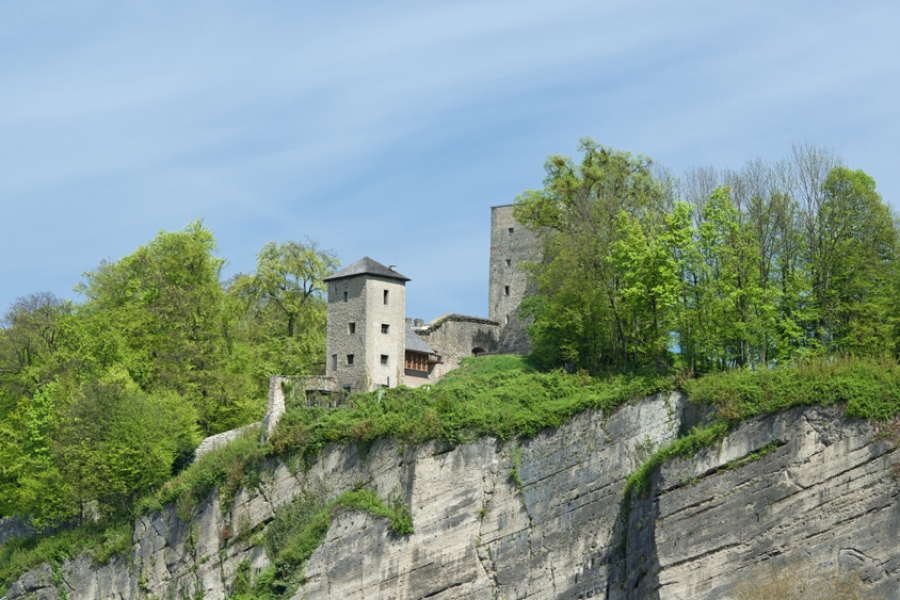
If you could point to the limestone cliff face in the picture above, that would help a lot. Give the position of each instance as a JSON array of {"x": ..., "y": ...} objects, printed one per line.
[{"x": 826, "y": 493}]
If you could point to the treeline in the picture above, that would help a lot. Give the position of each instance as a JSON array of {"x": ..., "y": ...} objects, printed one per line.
[
  {"x": 719, "y": 269},
  {"x": 104, "y": 399}
]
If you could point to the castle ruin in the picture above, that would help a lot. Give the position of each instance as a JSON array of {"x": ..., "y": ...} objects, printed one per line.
[{"x": 372, "y": 344}]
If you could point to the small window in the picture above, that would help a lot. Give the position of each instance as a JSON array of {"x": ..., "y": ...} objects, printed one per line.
[
  {"x": 334, "y": 362},
  {"x": 385, "y": 297},
  {"x": 511, "y": 229},
  {"x": 507, "y": 319},
  {"x": 347, "y": 389},
  {"x": 352, "y": 327},
  {"x": 384, "y": 359},
  {"x": 346, "y": 295},
  {"x": 508, "y": 262},
  {"x": 506, "y": 290},
  {"x": 349, "y": 359},
  {"x": 385, "y": 327}
]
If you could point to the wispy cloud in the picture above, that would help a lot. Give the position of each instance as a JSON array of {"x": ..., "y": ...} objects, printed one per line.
[{"x": 389, "y": 129}]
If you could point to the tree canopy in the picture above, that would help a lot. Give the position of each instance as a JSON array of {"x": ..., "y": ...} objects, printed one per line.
[
  {"x": 102, "y": 400},
  {"x": 761, "y": 266}
]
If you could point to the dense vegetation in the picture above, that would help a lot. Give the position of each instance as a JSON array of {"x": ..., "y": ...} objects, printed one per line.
[
  {"x": 763, "y": 266},
  {"x": 102, "y": 401}
]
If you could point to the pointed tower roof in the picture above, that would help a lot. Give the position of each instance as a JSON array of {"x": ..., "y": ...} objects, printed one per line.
[{"x": 366, "y": 266}]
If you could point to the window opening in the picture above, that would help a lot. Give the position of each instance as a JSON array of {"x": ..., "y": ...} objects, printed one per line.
[
  {"x": 506, "y": 290},
  {"x": 511, "y": 229},
  {"x": 346, "y": 295},
  {"x": 334, "y": 362},
  {"x": 384, "y": 359},
  {"x": 508, "y": 262},
  {"x": 385, "y": 327},
  {"x": 507, "y": 319},
  {"x": 349, "y": 359},
  {"x": 352, "y": 327},
  {"x": 385, "y": 296}
]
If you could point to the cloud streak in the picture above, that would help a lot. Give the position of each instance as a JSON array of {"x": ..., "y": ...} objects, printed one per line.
[{"x": 389, "y": 129}]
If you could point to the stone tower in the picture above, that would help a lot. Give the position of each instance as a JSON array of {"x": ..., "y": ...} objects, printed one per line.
[
  {"x": 366, "y": 326},
  {"x": 511, "y": 244}
]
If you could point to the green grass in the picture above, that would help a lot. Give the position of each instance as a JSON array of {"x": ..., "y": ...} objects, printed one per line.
[{"x": 492, "y": 396}]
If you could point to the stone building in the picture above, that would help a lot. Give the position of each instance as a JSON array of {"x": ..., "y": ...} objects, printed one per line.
[
  {"x": 365, "y": 339},
  {"x": 371, "y": 344},
  {"x": 511, "y": 245}
]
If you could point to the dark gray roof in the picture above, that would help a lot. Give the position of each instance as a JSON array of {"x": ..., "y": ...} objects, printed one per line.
[
  {"x": 416, "y": 344},
  {"x": 366, "y": 266}
]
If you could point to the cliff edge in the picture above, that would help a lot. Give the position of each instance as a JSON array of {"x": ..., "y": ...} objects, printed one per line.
[{"x": 544, "y": 517}]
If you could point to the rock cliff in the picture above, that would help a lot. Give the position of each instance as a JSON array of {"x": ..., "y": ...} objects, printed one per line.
[{"x": 824, "y": 490}]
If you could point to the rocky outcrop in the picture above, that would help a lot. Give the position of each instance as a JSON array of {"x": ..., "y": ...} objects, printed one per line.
[
  {"x": 12, "y": 528},
  {"x": 546, "y": 517}
]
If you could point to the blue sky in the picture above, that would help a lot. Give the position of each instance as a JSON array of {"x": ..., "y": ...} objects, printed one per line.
[{"x": 389, "y": 129}]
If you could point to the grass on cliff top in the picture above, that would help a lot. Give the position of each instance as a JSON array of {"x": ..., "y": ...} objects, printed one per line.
[
  {"x": 866, "y": 388},
  {"x": 497, "y": 396}
]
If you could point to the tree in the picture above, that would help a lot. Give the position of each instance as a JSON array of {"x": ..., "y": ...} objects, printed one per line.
[
  {"x": 853, "y": 264},
  {"x": 170, "y": 325},
  {"x": 283, "y": 309},
  {"x": 115, "y": 442},
  {"x": 30, "y": 342},
  {"x": 291, "y": 275},
  {"x": 585, "y": 320}
]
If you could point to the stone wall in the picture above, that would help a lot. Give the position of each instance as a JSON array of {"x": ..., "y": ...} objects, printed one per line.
[
  {"x": 825, "y": 494},
  {"x": 380, "y": 346},
  {"x": 511, "y": 244},
  {"x": 366, "y": 311},
  {"x": 455, "y": 336}
]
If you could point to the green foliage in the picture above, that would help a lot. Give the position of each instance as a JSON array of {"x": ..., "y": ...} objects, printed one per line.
[
  {"x": 170, "y": 315},
  {"x": 298, "y": 529},
  {"x": 100, "y": 402},
  {"x": 497, "y": 396},
  {"x": 769, "y": 265},
  {"x": 588, "y": 319},
  {"x": 100, "y": 541},
  {"x": 230, "y": 467},
  {"x": 868, "y": 387},
  {"x": 283, "y": 310}
]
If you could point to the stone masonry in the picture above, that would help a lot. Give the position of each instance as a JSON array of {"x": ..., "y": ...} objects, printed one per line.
[
  {"x": 366, "y": 321},
  {"x": 511, "y": 245}
]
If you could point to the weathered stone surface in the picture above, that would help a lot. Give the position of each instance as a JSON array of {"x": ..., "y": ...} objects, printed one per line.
[
  {"x": 826, "y": 494},
  {"x": 511, "y": 245},
  {"x": 214, "y": 442},
  {"x": 14, "y": 527}
]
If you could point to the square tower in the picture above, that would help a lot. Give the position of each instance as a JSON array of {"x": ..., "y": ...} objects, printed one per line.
[
  {"x": 511, "y": 245},
  {"x": 366, "y": 317}
]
